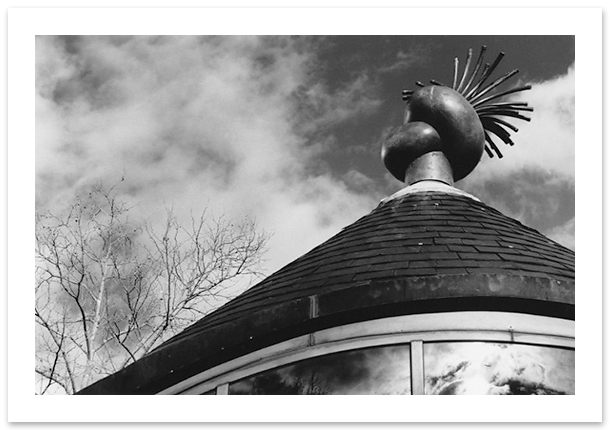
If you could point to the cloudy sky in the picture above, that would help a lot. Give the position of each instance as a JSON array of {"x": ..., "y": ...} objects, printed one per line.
[{"x": 285, "y": 130}]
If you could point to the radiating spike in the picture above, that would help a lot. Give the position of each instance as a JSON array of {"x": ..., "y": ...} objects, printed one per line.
[
  {"x": 507, "y": 104},
  {"x": 487, "y": 74},
  {"x": 495, "y": 63},
  {"x": 498, "y": 131},
  {"x": 419, "y": 84},
  {"x": 489, "y": 153},
  {"x": 476, "y": 68},
  {"x": 492, "y": 145},
  {"x": 487, "y": 121},
  {"x": 456, "y": 63},
  {"x": 500, "y": 127},
  {"x": 505, "y": 93},
  {"x": 435, "y": 82},
  {"x": 493, "y": 85},
  {"x": 510, "y": 106},
  {"x": 406, "y": 94},
  {"x": 489, "y": 109},
  {"x": 506, "y": 124},
  {"x": 505, "y": 113},
  {"x": 466, "y": 70},
  {"x": 479, "y": 82},
  {"x": 523, "y": 108}
]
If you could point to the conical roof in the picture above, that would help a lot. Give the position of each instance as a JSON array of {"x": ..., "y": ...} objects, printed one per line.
[{"x": 425, "y": 249}]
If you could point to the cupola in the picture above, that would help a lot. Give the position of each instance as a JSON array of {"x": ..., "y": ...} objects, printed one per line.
[{"x": 432, "y": 292}]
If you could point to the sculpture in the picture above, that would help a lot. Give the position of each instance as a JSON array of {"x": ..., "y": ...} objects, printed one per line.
[{"x": 457, "y": 121}]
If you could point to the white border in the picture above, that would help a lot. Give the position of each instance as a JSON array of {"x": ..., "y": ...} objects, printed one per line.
[{"x": 25, "y": 23}]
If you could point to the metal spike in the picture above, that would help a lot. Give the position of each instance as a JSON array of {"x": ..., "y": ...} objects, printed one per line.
[
  {"x": 523, "y": 108},
  {"x": 510, "y": 113},
  {"x": 456, "y": 63},
  {"x": 419, "y": 84},
  {"x": 507, "y": 104},
  {"x": 493, "y": 85},
  {"x": 495, "y": 63},
  {"x": 406, "y": 94},
  {"x": 435, "y": 82},
  {"x": 479, "y": 82},
  {"x": 489, "y": 153},
  {"x": 466, "y": 70},
  {"x": 498, "y": 131},
  {"x": 476, "y": 68},
  {"x": 492, "y": 145},
  {"x": 487, "y": 74},
  {"x": 507, "y": 133},
  {"x": 504, "y": 123},
  {"x": 489, "y": 109},
  {"x": 505, "y": 93}
]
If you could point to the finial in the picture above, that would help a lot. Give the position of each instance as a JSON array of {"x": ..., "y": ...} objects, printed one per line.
[{"x": 455, "y": 123}]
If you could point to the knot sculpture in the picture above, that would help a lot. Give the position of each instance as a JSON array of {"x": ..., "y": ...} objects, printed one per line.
[{"x": 456, "y": 121}]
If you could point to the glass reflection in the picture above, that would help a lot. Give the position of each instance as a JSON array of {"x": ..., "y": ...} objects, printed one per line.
[
  {"x": 382, "y": 370},
  {"x": 494, "y": 368}
]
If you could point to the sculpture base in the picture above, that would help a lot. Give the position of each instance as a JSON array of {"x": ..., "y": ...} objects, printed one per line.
[{"x": 432, "y": 166}]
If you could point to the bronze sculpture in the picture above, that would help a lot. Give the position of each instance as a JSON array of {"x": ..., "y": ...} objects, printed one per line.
[{"x": 457, "y": 121}]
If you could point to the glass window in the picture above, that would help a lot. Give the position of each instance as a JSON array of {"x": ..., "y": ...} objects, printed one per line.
[
  {"x": 496, "y": 368},
  {"x": 381, "y": 370}
]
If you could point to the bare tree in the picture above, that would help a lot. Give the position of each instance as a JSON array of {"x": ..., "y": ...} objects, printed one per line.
[{"x": 108, "y": 290}]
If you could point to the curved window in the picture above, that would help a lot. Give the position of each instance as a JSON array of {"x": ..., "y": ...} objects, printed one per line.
[
  {"x": 443, "y": 353},
  {"x": 381, "y": 370},
  {"x": 497, "y": 368}
]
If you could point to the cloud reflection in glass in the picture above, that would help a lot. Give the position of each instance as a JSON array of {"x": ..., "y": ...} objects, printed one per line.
[
  {"x": 381, "y": 370},
  {"x": 496, "y": 368}
]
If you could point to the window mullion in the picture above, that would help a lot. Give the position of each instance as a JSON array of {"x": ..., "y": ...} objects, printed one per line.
[{"x": 417, "y": 367}]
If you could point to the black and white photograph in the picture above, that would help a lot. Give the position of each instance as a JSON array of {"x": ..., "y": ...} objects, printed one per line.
[{"x": 309, "y": 214}]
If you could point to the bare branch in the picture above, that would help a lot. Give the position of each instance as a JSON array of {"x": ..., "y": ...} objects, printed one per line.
[{"x": 109, "y": 291}]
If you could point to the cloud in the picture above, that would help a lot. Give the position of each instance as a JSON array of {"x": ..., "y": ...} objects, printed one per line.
[
  {"x": 224, "y": 122},
  {"x": 242, "y": 125},
  {"x": 319, "y": 107},
  {"x": 405, "y": 60},
  {"x": 547, "y": 142},
  {"x": 541, "y": 199},
  {"x": 535, "y": 181},
  {"x": 564, "y": 234}
]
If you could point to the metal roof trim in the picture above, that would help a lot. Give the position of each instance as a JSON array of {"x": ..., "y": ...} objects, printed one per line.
[{"x": 427, "y": 186}]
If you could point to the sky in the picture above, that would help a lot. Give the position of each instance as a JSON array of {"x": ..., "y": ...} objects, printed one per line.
[{"x": 284, "y": 130}]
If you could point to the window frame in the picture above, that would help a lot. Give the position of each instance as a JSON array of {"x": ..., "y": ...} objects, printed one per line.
[
  {"x": 453, "y": 344},
  {"x": 415, "y": 330}
]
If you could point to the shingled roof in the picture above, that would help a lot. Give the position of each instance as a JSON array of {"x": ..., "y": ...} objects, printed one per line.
[{"x": 419, "y": 252}]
